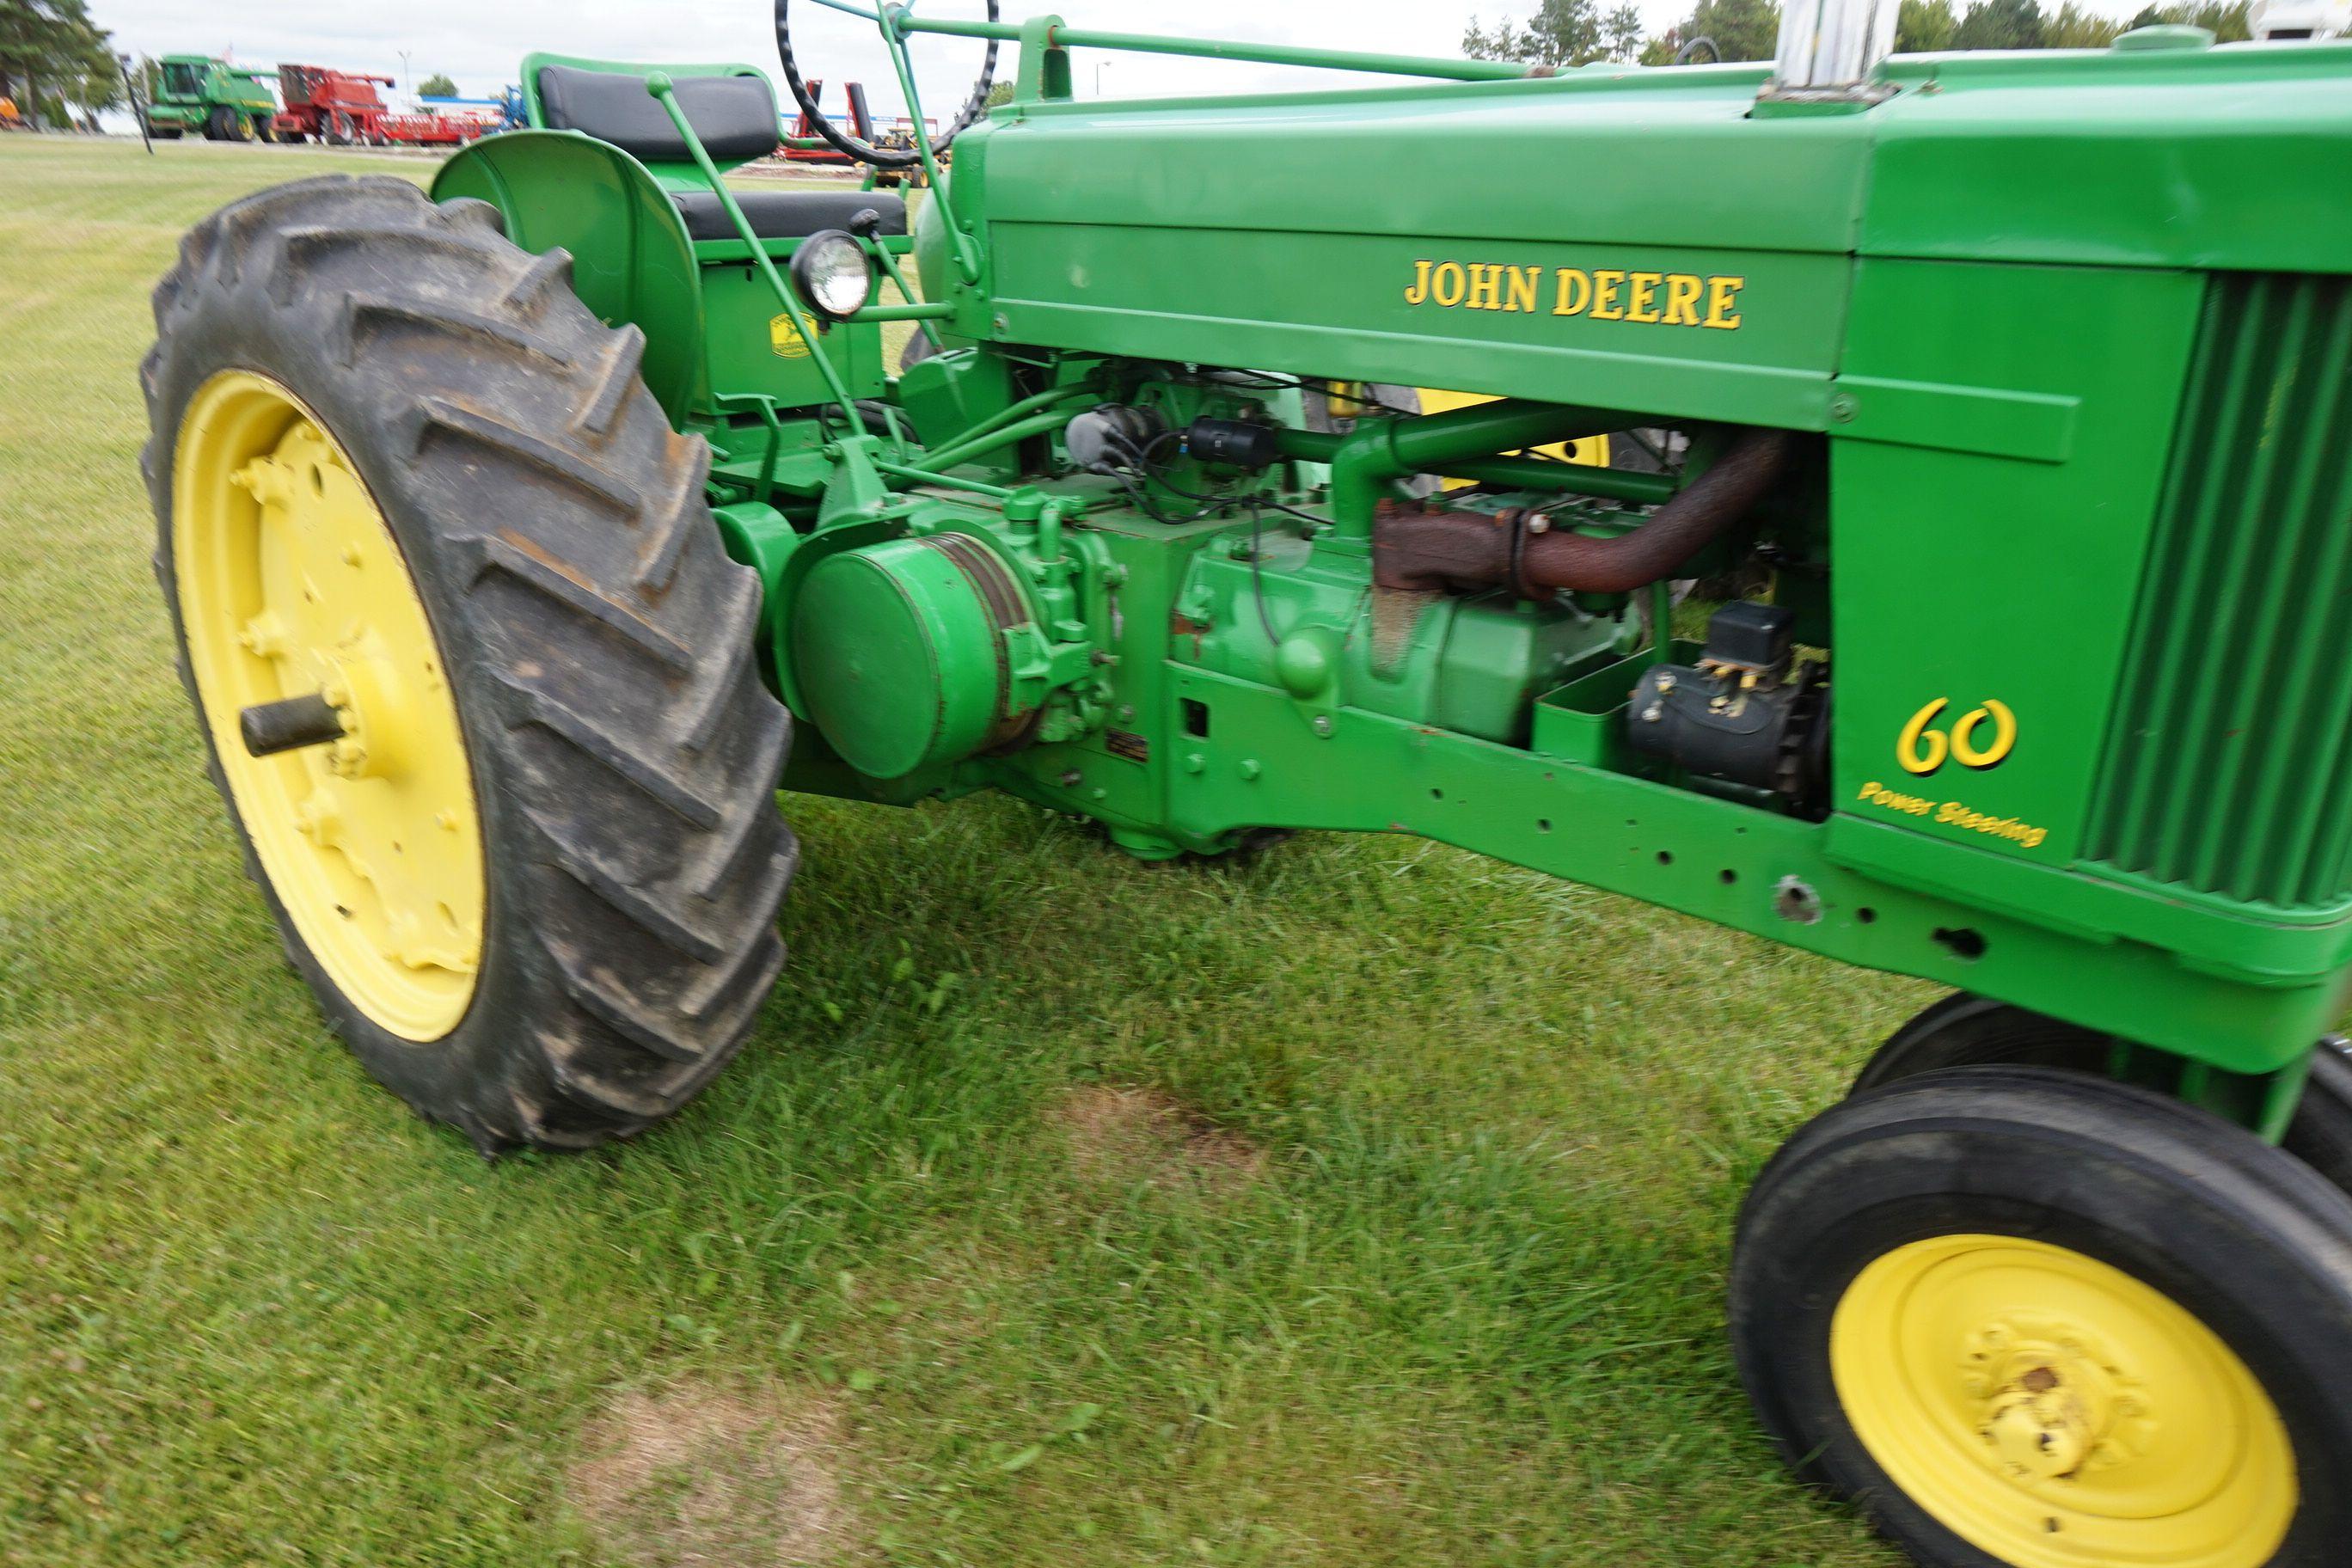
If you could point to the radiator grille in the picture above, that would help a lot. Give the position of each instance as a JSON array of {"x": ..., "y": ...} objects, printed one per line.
[{"x": 2229, "y": 763}]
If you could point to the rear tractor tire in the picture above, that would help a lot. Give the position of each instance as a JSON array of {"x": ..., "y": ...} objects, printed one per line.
[
  {"x": 473, "y": 671},
  {"x": 2026, "y": 1318}
]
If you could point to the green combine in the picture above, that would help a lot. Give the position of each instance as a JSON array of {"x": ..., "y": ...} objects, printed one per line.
[
  {"x": 217, "y": 101},
  {"x": 525, "y": 539}
]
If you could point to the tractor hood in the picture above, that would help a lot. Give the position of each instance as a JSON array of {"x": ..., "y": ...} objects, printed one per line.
[{"x": 1649, "y": 238}]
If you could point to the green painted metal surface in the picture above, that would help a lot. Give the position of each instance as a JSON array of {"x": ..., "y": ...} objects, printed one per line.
[
  {"x": 717, "y": 338},
  {"x": 2062, "y": 341},
  {"x": 630, "y": 260},
  {"x": 2226, "y": 767},
  {"x": 901, "y": 653}
]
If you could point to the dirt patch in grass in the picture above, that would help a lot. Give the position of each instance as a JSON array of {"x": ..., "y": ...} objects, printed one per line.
[
  {"x": 1124, "y": 1134},
  {"x": 709, "y": 1477}
]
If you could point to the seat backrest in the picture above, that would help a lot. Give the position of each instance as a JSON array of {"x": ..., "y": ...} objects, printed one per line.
[{"x": 735, "y": 116}]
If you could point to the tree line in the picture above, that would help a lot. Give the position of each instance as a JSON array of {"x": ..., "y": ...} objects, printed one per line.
[
  {"x": 55, "y": 64},
  {"x": 1577, "y": 32}
]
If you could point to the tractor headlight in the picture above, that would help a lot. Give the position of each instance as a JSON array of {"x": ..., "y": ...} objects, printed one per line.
[{"x": 833, "y": 274}]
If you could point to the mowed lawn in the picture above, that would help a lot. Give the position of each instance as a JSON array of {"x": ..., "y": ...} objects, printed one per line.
[{"x": 1360, "y": 1203}]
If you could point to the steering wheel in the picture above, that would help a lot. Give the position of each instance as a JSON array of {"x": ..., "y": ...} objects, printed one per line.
[{"x": 863, "y": 152}]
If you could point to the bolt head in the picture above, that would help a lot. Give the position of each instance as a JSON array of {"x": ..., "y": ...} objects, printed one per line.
[{"x": 1322, "y": 723}]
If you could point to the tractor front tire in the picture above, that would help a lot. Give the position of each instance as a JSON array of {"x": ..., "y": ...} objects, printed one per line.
[
  {"x": 2029, "y": 1319},
  {"x": 397, "y": 466},
  {"x": 1964, "y": 1030}
]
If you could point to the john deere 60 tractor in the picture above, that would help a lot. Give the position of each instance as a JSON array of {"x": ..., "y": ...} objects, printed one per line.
[{"x": 525, "y": 538}]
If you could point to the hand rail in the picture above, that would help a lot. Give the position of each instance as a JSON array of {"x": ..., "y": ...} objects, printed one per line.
[{"x": 901, "y": 20}]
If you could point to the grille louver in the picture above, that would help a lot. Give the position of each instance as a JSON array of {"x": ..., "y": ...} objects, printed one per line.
[{"x": 2229, "y": 762}]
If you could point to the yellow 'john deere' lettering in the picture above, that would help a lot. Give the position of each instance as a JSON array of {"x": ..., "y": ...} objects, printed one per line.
[
  {"x": 1922, "y": 749},
  {"x": 1599, "y": 294}
]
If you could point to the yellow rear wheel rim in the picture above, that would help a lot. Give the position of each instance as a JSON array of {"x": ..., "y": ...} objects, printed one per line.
[
  {"x": 2055, "y": 1412},
  {"x": 290, "y": 584}
]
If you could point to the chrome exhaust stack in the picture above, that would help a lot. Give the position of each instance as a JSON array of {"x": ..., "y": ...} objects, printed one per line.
[{"x": 1830, "y": 50}]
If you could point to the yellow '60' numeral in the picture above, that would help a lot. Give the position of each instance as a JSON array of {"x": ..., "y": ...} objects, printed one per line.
[{"x": 1921, "y": 749}]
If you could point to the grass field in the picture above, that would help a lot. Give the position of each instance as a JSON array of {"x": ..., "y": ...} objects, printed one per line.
[{"x": 1363, "y": 1202}]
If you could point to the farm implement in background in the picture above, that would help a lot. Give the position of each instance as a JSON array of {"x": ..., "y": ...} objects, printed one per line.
[
  {"x": 342, "y": 109},
  {"x": 217, "y": 101}
]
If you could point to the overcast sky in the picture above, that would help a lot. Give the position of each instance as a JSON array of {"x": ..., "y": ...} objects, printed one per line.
[{"x": 478, "y": 43}]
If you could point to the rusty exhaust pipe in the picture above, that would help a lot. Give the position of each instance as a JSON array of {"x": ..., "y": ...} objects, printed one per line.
[{"x": 1423, "y": 550}]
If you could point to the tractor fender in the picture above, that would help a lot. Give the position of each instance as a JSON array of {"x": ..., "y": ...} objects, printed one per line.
[{"x": 630, "y": 260}]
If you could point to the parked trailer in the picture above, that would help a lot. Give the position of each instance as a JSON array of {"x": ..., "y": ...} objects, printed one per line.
[
  {"x": 434, "y": 130},
  {"x": 490, "y": 113}
]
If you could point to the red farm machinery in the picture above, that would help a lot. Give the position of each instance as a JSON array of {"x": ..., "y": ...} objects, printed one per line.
[
  {"x": 817, "y": 137},
  {"x": 342, "y": 109}
]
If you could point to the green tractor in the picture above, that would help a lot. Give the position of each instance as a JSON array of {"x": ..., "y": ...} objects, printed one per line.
[
  {"x": 219, "y": 101},
  {"x": 525, "y": 538}
]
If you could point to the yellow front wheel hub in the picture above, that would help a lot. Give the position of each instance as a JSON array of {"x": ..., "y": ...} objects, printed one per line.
[
  {"x": 2055, "y": 1412},
  {"x": 292, "y": 586}
]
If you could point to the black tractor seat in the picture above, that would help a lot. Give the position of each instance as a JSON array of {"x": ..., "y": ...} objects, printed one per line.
[
  {"x": 735, "y": 119},
  {"x": 787, "y": 215}
]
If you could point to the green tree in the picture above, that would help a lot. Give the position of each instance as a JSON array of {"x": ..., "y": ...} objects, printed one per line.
[
  {"x": 437, "y": 86},
  {"x": 46, "y": 48},
  {"x": 1561, "y": 33},
  {"x": 2072, "y": 26},
  {"x": 1925, "y": 26},
  {"x": 97, "y": 84},
  {"x": 1739, "y": 29},
  {"x": 2228, "y": 22},
  {"x": 2000, "y": 25}
]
